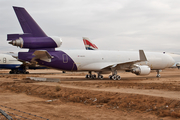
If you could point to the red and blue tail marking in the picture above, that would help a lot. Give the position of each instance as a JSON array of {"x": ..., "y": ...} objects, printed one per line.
[{"x": 88, "y": 44}]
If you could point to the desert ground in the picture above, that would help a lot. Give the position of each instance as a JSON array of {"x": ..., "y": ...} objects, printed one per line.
[{"x": 76, "y": 98}]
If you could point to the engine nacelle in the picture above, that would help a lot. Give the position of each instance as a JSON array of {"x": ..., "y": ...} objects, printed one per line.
[
  {"x": 37, "y": 42},
  {"x": 178, "y": 64},
  {"x": 141, "y": 70}
]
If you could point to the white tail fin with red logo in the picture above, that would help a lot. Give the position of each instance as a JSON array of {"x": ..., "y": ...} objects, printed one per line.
[{"x": 88, "y": 44}]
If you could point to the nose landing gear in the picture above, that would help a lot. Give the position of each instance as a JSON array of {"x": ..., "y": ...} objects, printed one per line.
[{"x": 158, "y": 75}]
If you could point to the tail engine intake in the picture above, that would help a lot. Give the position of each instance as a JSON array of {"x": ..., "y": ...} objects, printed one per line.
[{"x": 37, "y": 42}]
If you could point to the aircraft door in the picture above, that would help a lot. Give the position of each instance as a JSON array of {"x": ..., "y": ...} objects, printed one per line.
[
  {"x": 65, "y": 58},
  {"x": 67, "y": 61}
]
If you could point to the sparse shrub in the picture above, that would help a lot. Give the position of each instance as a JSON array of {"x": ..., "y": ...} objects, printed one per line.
[{"x": 58, "y": 88}]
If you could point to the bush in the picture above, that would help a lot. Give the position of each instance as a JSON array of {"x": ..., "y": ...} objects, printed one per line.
[{"x": 58, "y": 88}]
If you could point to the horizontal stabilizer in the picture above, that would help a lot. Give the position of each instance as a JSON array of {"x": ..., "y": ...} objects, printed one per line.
[
  {"x": 17, "y": 36},
  {"x": 42, "y": 55}
]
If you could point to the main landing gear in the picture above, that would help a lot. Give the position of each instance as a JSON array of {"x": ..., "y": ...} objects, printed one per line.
[
  {"x": 18, "y": 71},
  {"x": 114, "y": 76},
  {"x": 93, "y": 76}
]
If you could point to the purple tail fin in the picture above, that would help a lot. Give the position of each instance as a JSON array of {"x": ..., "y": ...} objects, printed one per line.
[{"x": 27, "y": 23}]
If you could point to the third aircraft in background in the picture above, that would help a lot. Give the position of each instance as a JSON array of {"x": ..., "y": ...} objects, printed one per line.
[
  {"x": 42, "y": 51},
  {"x": 11, "y": 61}
]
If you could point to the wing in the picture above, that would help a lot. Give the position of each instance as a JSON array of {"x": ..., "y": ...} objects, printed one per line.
[
  {"x": 26, "y": 63},
  {"x": 33, "y": 63},
  {"x": 42, "y": 55},
  {"x": 126, "y": 65}
]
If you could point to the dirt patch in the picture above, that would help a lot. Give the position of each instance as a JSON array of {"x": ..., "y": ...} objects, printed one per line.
[
  {"x": 122, "y": 84},
  {"x": 115, "y": 101},
  {"x": 133, "y": 97}
]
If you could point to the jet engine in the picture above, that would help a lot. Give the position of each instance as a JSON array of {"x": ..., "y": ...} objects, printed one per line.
[
  {"x": 37, "y": 42},
  {"x": 141, "y": 70},
  {"x": 178, "y": 64}
]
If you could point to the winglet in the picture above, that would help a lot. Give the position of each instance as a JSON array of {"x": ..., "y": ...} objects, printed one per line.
[{"x": 142, "y": 55}]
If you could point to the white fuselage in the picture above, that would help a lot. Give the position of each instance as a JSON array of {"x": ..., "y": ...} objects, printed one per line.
[
  {"x": 96, "y": 60},
  {"x": 8, "y": 62}
]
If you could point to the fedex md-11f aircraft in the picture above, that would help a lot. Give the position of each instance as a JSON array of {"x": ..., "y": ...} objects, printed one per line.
[{"x": 42, "y": 51}]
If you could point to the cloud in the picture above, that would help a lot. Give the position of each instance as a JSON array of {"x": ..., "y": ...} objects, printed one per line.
[{"x": 111, "y": 24}]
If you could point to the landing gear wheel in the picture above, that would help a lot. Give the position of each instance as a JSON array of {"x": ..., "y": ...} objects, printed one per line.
[
  {"x": 158, "y": 75},
  {"x": 100, "y": 77},
  {"x": 110, "y": 77},
  {"x": 114, "y": 77},
  {"x": 92, "y": 76},
  {"x": 118, "y": 77},
  {"x": 87, "y": 76}
]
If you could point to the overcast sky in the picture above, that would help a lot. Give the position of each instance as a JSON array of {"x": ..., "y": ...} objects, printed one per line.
[{"x": 151, "y": 25}]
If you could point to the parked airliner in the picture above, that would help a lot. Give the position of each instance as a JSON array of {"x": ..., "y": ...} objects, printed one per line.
[
  {"x": 91, "y": 46},
  {"x": 42, "y": 51},
  {"x": 10, "y": 61},
  {"x": 7, "y": 61}
]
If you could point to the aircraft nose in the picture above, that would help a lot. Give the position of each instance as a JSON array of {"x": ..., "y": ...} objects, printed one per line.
[{"x": 171, "y": 61}]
